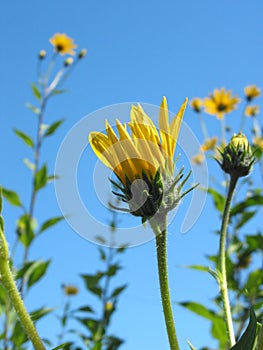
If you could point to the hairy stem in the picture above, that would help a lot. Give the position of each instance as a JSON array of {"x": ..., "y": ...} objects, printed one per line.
[
  {"x": 222, "y": 262},
  {"x": 164, "y": 285}
]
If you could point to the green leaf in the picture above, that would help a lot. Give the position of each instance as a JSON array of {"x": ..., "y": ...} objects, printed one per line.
[
  {"x": 255, "y": 241},
  {"x": 256, "y": 199},
  {"x": 27, "y": 139},
  {"x": 12, "y": 197},
  {"x": 118, "y": 290},
  {"x": 39, "y": 313},
  {"x": 49, "y": 223},
  {"x": 29, "y": 164},
  {"x": 64, "y": 346},
  {"x": 245, "y": 217},
  {"x": 92, "y": 283},
  {"x": 53, "y": 127},
  {"x": 102, "y": 254},
  {"x": 84, "y": 309},
  {"x": 41, "y": 178},
  {"x": 113, "y": 269},
  {"x": 57, "y": 92},
  {"x": 254, "y": 282},
  {"x": 25, "y": 229},
  {"x": 32, "y": 108},
  {"x": 89, "y": 323},
  {"x": 219, "y": 200},
  {"x": 36, "y": 91},
  {"x": 246, "y": 342},
  {"x": 18, "y": 336},
  {"x": 38, "y": 271}
]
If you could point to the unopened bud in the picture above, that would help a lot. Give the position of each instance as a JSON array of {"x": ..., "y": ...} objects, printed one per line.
[
  {"x": 68, "y": 61},
  {"x": 82, "y": 53},
  {"x": 42, "y": 54}
]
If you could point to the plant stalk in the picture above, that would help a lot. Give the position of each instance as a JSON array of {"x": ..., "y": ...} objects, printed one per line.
[
  {"x": 222, "y": 262},
  {"x": 161, "y": 236}
]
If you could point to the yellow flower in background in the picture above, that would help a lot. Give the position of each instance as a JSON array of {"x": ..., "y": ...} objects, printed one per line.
[
  {"x": 198, "y": 159},
  {"x": 251, "y": 111},
  {"x": 63, "y": 44},
  {"x": 209, "y": 144},
  {"x": 220, "y": 103},
  {"x": 258, "y": 141},
  {"x": 197, "y": 104},
  {"x": 145, "y": 151},
  {"x": 251, "y": 92},
  {"x": 70, "y": 290}
]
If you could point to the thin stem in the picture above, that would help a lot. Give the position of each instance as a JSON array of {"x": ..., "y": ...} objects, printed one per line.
[
  {"x": 243, "y": 119},
  {"x": 222, "y": 262},
  {"x": 260, "y": 340},
  {"x": 203, "y": 126},
  {"x": 223, "y": 130},
  {"x": 14, "y": 296},
  {"x": 164, "y": 285}
]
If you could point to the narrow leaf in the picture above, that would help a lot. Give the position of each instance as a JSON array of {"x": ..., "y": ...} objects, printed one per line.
[
  {"x": 41, "y": 178},
  {"x": 246, "y": 342},
  {"x": 29, "y": 164},
  {"x": 12, "y": 197},
  {"x": 27, "y": 139},
  {"x": 35, "y": 91},
  {"x": 38, "y": 272},
  {"x": 49, "y": 223},
  {"x": 219, "y": 200},
  {"x": 53, "y": 127},
  {"x": 32, "y": 108}
]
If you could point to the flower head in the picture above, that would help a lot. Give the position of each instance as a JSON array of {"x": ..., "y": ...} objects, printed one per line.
[
  {"x": 209, "y": 144},
  {"x": 198, "y": 159},
  {"x": 220, "y": 103},
  {"x": 197, "y": 104},
  {"x": 143, "y": 159},
  {"x": 68, "y": 61},
  {"x": 42, "y": 54},
  {"x": 251, "y": 111},
  {"x": 70, "y": 290},
  {"x": 251, "y": 92},
  {"x": 237, "y": 157},
  {"x": 63, "y": 44}
]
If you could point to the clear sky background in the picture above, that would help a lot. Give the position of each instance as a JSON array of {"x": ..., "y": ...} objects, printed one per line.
[{"x": 137, "y": 51}]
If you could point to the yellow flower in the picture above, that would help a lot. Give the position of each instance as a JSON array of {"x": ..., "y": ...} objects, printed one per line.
[
  {"x": 220, "y": 103},
  {"x": 145, "y": 151},
  {"x": 251, "y": 92},
  {"x": 198, "y": 159},
  {"x": 251, "y": 111},
  {"x": 209, "y": 144},
  {"x": 145, "y": 155},
  {"x": 196, "y": 103},
  {"x": 63, "y": 44},
  {"x": 258, "y": 141},
  {"x": 70, "y": 290}
]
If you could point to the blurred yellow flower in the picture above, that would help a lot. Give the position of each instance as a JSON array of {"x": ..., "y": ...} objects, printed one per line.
[
  {"x": 198, "y": 159},
  {"x": 220, "y": 103},
  {"x": 258, "y": 141},
  {"x": 251, "y": 92},
  {"x": 70, "y": 290},
  {"x": 251, "y": 111},
  {"x": 196, "y": 103},
  {"x": 42, "y": 54},
  {"x": 144, "y": 152},
  {"x": 63, "y": 44},
  {"x": 209, "y": 144},
  {"x": 68, "y": 61}
]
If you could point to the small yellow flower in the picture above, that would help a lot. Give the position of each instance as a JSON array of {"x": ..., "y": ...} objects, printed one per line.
[
  {"x": 251, "y": 111},
  {"x": 70, "y": 290},
  {"x": 251, "y": 92},
  {"x": 220, "y": 103},
  {"x": 108, "y": 306},
  {"x": 258, "y": 141},
  {"x": 42, "y": 54},
  {"x": 209, "y": 144},
  {"x": 63, "y": 44},
  {"x": 198, "y": 159},
  {"x": 197, "y": 104},
  {"x": 68, "y": 61}
]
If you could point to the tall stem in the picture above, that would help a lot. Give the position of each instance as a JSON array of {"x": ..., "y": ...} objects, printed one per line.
[
  {"x": 8, "y": 282},
  {"x": 161, "y": 236},
  {"x": 222, "y": 262}
]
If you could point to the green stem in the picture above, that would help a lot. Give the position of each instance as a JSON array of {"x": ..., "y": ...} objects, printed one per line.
[
  {"x": 8, "y": 283},
  {"x": 164, "y": 284},
  {"x": 222, "y": 262},
  {"x": 260, "y": 340}
]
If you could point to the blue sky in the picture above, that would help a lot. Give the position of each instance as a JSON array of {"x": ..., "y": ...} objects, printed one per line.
[{"x": 137, "y": 51}]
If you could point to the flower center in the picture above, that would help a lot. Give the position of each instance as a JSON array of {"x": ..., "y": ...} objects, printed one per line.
[
  {"x": 59, "y": 47},
  {"x": 221, "y": 107}
]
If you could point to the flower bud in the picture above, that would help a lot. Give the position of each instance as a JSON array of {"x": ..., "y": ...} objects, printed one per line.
[
  {"x": 42, "y": 54},
  {"x": 237, "y": 157},
  {"x": 82, "y": 53},
  {"x": 70, "y": 290},
  {"x": 68, "y": 61}
]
